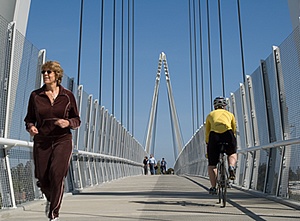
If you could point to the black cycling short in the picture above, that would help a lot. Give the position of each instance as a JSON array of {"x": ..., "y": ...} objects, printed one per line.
[{"x": 213, "y": 150}]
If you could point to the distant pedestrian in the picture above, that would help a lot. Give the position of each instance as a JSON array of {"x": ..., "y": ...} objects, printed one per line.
[
  {"x": 145, "y": 162},
  {"x": 152, "y": 164},
  {"x": 163, "y": 166}
]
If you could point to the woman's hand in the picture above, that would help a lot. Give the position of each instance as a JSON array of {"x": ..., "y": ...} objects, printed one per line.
[
  {"x": 33, "y": 131},
  {"x": 62, "y": 123}
]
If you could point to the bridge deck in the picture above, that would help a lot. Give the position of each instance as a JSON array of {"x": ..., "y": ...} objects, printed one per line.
[{"x": 163, "y": 198}]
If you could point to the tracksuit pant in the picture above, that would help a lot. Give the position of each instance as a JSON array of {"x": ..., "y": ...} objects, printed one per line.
[{"x": 52, "y": 159}]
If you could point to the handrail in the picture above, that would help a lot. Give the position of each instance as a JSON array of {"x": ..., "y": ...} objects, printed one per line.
[
  {"x": 271, "y": 145},
  {"x": 251, "y": 149},
  {"x": 10, "y": 143},
  {"x": 104, "y": 156}
]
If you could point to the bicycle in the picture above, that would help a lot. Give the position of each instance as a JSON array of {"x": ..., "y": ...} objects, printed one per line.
[{"x": 222, "y": 174}]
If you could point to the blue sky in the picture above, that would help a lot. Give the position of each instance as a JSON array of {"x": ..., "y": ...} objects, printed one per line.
[{"x": 160, "y": 26}]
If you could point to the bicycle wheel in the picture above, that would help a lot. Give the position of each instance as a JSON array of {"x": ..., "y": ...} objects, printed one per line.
[
  {"x": 224, "y": 184},
  {"x": 220, "y": 193},
  {"x": 219, "y": 182},
  {"x": 224, "y": 197},
  {"x": 219, "y": 187}
]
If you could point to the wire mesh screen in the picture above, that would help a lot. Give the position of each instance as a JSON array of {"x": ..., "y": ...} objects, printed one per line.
[
  {"x": 262, "y": 129},
  {"x": 9, "y": 83},
  {"x": 290, "y": 61},
  {"x": 5, "y": 198},
  {"x": 18, "y": 85}
]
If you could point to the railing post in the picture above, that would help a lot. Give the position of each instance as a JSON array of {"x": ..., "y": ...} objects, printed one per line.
[
  {"x": 253, "y": 136},
  {"x": 270, "y": 172},
  {"x": 88, "y": 138},
  {"x": 77, "y": 170},
  {"x": 41, "y": 60},
  {"x": 10, "y": 51},
  {"x": 282, "y": 183},
  {"x": 93, "y": 142},
  {"x": 247, "y": 136}
]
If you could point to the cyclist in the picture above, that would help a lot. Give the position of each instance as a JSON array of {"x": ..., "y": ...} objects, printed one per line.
[{"x": 220, "y": 127}]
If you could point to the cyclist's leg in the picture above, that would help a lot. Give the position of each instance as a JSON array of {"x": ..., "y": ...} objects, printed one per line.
[
  {"x": 232, "y": 160},
  {"x": 229, "y": 138},
  {"x": 232, "y": 165},
  {"x": 212, "y": 173},
  {"x": 232, "y": 155},
  {"x": 213, "y": 158}
]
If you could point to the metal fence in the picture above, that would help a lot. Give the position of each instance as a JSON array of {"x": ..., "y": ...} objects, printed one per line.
[
  {"x": 267, "y": 111},
  {"x": 103, "y": 149}
]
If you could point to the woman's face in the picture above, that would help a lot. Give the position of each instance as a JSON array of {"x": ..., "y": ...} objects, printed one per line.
[{"x": 49, "y": 76}]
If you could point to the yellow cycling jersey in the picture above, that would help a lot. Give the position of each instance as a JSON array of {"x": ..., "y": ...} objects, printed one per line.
[{"x": 219, "y": 121}]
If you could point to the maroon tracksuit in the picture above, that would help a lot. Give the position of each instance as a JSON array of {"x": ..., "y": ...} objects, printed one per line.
[{"x": 52, "y": 145}]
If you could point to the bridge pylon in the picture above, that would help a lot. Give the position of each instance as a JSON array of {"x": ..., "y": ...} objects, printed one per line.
[{"x": 176, "y": 133}]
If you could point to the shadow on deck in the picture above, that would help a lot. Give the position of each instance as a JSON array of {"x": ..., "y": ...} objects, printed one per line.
[{"x": 160, "y": 197}]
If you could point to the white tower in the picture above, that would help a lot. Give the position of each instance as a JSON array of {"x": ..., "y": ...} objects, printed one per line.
[
  {"x": 16, "y": 10},
  {"x": 294, "y": 6},
  {"x": 177, "y": 139}
]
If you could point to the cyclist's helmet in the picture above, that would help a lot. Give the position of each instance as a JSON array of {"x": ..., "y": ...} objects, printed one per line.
[{"x": 219, "y": 102}]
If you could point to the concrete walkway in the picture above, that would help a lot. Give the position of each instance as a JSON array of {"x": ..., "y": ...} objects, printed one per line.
[{"x": 156, "y": 198}]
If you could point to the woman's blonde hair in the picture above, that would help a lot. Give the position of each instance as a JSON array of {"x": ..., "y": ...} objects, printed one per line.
[{"x": 56, "y": 68}]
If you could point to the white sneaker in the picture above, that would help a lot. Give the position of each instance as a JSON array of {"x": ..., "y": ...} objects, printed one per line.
[
  {"x": 55, "y": 219},
  {"x": 47, "y": 208}
]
